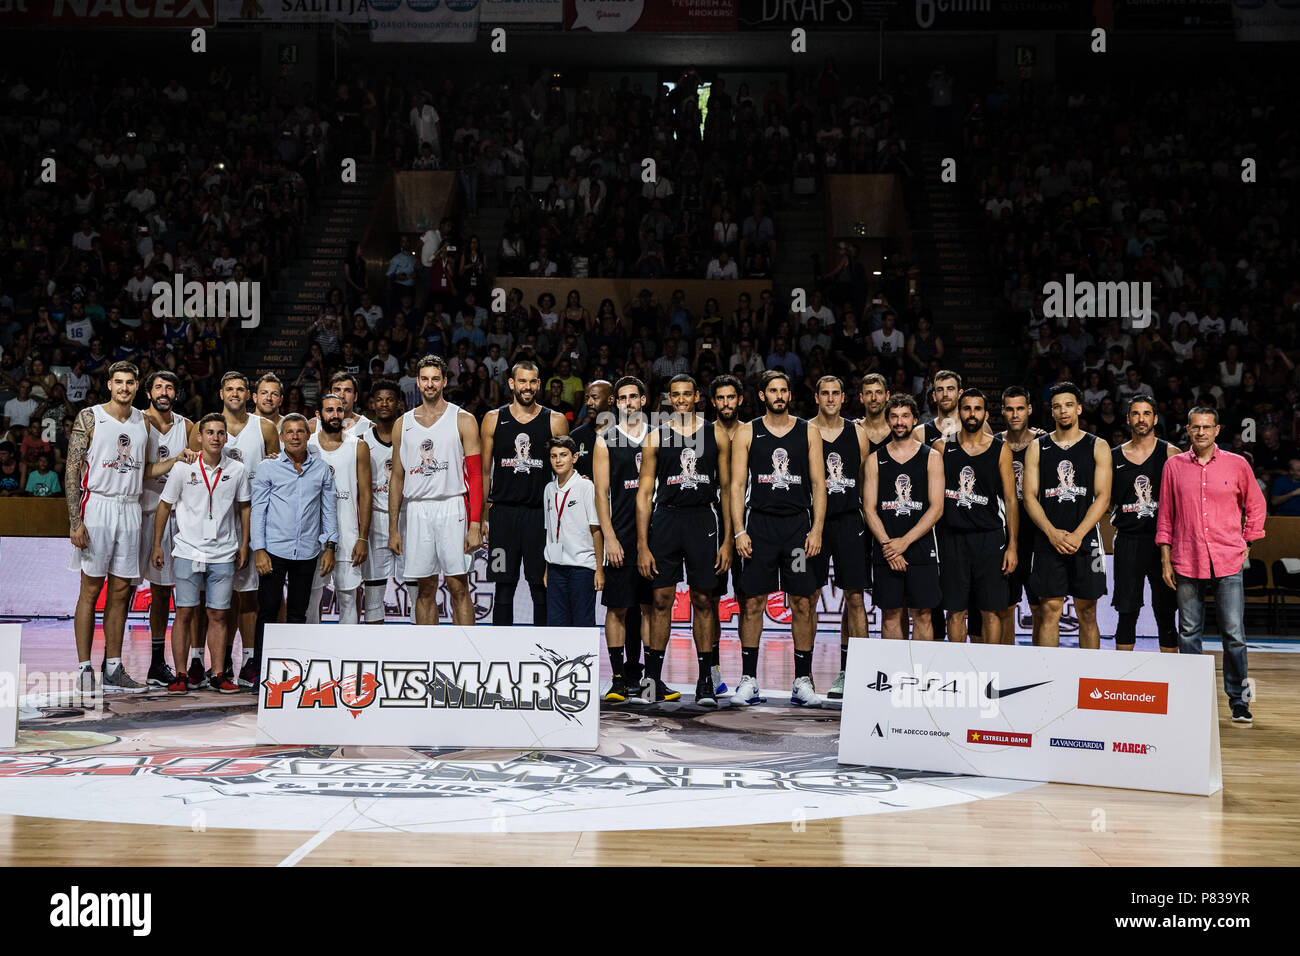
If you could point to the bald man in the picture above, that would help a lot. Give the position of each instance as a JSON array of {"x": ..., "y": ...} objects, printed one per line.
[{"x": 600, "y": 402}]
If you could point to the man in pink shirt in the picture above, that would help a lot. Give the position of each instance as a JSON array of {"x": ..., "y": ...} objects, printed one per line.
[{"x": 1211, "y": 510}]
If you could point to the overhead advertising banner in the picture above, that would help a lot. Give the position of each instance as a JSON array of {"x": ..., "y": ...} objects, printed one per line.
[
  {"x": 96, "y": 14},
  {"x": 512, "y": 688},
  {"x": 1140, "y": 721},
  {"x": 906, "y": 15},
  {"x": 390, "y": 21},
  {"x": 1266, "y": 20},
  {"x": 657, "y": 16},
  {"x": 522, "y": 11}
]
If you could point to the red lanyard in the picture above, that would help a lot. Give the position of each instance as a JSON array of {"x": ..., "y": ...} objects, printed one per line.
[
  {"x": 211, "y": 487},
  {"x": 559, "y": 507}
]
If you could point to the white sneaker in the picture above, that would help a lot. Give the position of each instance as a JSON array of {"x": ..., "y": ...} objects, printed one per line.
[
  {"x": 747, "y": 692},
  {"x": 719, "y": 685},
  {"x": 804, "y": 694},
  {"x": 87, "y": 686}
]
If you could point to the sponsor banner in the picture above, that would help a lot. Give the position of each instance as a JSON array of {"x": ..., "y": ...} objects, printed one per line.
[
  {"x": 522, "y": 11},
  {"x": 10, "y": 683},
  {"x": 905, "y": 15},
  {"x": 42, "y": 586},
  {"x": 1151, "y": 720},
  {"x": 659, "y": 16},
  {"x": 390, "y": 21},
  {"x": 98, "y": 14},
  {"x": 516, "y": 688},
  {"x": 820, "y": 14},
  {"x": 1266, "y": 20},
  {"x": 1173, "y": 14}
]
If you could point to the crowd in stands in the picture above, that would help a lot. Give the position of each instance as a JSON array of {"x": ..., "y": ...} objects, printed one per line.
[
  {"x": 112, "y": 180},
  {"x": 1112, "y": 185},
  {"x": 1145, "y": 184}
]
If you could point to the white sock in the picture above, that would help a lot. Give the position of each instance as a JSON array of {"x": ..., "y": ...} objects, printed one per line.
[
  {"x": 84, "y": 666},
  {"x": 347, "y": 601},
  {"x": 313, "y": 605},
  {"x": 112, "y": 663},
  {"x": 374, "y": 603},
  {"x": 196, "y": 654},
  {"x": 248, "y": 655}
]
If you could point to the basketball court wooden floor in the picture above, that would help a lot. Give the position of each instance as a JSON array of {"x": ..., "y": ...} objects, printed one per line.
[{"x": 1253, "y": 821}]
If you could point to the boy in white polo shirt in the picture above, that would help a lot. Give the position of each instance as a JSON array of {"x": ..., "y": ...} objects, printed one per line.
[
  {"x": 211, "y": 498},
  {"x": 575, "y": 558}
]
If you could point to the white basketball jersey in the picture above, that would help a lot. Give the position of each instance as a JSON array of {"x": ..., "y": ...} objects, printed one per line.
[
  {"x": 358, "y": 429},
  {"x": 343, "y": 464},
  {"x": 77, "y": 387},
  {"x": 381, "y": 471},
  {"x": 434, "y": 458},
  {"x": 116, "y": 457},
  {"x": 248, "y": 446},
  {"x": 163, "y": 445}
]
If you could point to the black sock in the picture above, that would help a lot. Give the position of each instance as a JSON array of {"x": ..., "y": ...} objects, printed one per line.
[
  {"x": 654, "y": 663},
  {"x": 157, "y": 648},
  {"x": 802, "y": 664},
  {"x": 632, "y": 637},
  {"x": 749, "y": 662},
  {"x": 503, "y": 604},
  {"x": 616, "y": 660},
  {"x": 715, "y": 656},
  {"x": 705, "y": 660},
  {"x": 539, "y": 603},
  {"x": 1126, "y": 628},
  {"x": 844, "y": 657}
]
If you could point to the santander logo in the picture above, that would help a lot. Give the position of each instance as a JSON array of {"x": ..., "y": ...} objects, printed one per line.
[{"x": 1130, "y": 696}]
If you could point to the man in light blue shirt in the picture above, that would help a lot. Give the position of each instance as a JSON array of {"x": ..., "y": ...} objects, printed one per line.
[
  {"x": 294, "y": 527},
  {"x": 401, "y": 274}
]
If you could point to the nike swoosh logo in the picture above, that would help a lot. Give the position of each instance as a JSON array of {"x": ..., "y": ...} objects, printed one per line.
[{"x": 992, "y": 693}]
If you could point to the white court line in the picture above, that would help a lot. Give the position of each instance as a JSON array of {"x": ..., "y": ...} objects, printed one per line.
[{"x": 340, "y": 821}]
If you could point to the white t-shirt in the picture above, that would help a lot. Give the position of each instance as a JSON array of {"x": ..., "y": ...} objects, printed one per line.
[
  {"x": 569, "y": 540},
  {"x": 20, "y": 413},
  {"x": 890, "y": 344},
  {"x": 373, "y": 315},
  {"x": 430, "y": 242},
  {"x": 196, "y": 538},
  {"x": 425, "y": 123}
]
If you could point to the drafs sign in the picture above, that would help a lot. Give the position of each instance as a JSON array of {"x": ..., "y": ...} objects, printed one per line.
[
  {"x": 1141, "y": 721},
  {"x": 516, "y": 688}
]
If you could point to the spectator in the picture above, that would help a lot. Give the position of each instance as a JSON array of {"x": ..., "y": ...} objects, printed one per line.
[
  {"x": 1285, "y": 491},
  {"x": 18, "y": 411}
]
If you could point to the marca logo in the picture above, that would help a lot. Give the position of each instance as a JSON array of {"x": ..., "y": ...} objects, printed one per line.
[
  {"x": 1004, "y": 738},
  {"x": 1132, "y": 696},
  {"x": 1070, "y": 743},
  {"x": 1121, "y": 747}
]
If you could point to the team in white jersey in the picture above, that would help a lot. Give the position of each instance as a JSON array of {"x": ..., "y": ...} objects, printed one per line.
[
  {"x": 437, "y": 479},
  {"x": 381, "y": 564},
  {"x": 349, "y": 461}
]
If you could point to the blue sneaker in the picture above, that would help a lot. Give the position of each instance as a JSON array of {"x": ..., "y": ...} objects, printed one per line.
[{"x": 747, "y": 692}]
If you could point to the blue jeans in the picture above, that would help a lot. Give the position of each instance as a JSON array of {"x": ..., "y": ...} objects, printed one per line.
[
  {"x": 1231, "y": 602},
  {"x": 570, "y": 596}
]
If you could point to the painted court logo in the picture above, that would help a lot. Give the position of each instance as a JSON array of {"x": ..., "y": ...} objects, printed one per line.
[{"x": 1130, "y": 696}]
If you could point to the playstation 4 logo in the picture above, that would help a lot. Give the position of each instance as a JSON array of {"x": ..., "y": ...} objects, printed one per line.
[{"x": 881, "y": 682}]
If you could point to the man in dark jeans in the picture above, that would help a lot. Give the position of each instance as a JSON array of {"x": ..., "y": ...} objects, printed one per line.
[{"x": 294, "y": 527}]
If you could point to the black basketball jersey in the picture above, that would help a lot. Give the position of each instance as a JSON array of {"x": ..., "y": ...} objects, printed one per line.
[
  {"x": 585, "y": 438},
  {"x": 624, "y": 472},
  {"x": 932, "y": 433},
  {"x": 778, "y": 471},
  {"x": 1066, "y": 480},
  {"x": 972, "y": 488},
  {"x": 1135, "y": 490},
  {"x": 521, "y": 465},
  {"x": 902, "y": 497},
  {"x": 686, "y": 467},
  {"x": 1027, "y": 527},
  {"x": 843, "y": 463}
]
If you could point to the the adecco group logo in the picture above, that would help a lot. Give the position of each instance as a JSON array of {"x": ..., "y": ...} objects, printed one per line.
[
  {"x": 209, "y": 300},
  {"x": 1131, "y": 696}
]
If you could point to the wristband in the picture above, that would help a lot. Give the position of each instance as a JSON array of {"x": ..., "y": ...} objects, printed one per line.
[{"x": 738, "y": 534}]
